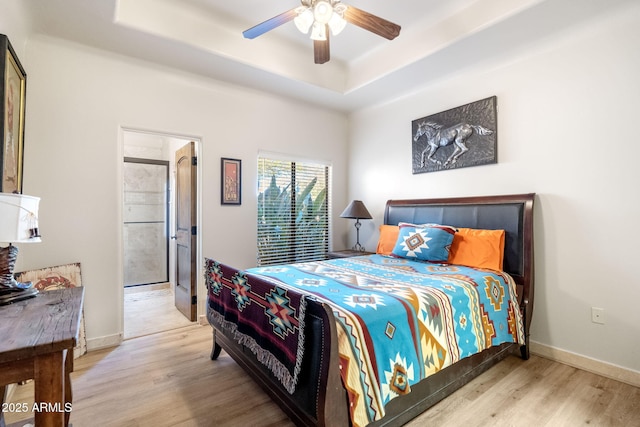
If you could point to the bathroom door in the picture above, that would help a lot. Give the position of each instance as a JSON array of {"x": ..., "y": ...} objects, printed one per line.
[{"x": 186, "y": 231}]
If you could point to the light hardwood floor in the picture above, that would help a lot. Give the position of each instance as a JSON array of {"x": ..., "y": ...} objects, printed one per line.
[
  {"x": 150, "y": 309},
  {"x": 167, "y": 379}
]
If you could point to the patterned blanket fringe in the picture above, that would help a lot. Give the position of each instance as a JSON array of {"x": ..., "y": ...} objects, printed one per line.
[{"x": 279, "y": 370}]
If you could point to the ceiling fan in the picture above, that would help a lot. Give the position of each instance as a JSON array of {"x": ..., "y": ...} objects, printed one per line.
[{"x": 322, "y": 17}]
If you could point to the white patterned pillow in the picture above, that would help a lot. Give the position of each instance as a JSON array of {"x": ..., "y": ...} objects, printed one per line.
[{"x": 430, "y": 242}]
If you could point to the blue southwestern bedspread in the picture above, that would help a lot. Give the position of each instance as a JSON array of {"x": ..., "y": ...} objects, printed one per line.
[{"x": 398, "y": 320}]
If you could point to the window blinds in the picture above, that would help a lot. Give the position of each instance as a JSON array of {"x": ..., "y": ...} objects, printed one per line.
[{"x": 293, "y": 211}]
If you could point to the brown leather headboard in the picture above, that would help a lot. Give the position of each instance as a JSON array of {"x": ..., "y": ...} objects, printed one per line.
[{"x": 512, "y": 213}]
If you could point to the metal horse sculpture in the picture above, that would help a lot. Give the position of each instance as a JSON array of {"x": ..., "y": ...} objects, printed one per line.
[{"x": 438, "y": 137}]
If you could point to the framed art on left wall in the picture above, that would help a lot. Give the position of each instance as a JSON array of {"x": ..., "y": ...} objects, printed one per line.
[
  {"x": 12, "y": 95},
  {"x": 231, "y": 181}
]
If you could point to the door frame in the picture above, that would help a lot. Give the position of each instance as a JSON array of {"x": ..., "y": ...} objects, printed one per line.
[{"x": 183, "y": 138}]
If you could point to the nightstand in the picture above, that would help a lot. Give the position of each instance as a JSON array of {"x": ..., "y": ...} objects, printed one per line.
[{"x": 346, "y": 253}]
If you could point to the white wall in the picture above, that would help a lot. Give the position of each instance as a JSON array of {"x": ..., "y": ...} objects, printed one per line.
[
  {"x": 15, "y": 23},
  {"x": 78, "y": 101},
  {"x": 566, "y": 131}
]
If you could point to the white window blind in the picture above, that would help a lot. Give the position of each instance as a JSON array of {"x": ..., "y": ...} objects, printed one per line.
[{"x": 293, "y": 211}]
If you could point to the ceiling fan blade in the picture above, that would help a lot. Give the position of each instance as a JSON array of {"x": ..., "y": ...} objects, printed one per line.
[
  {"x": 270, "y": 24},
  {"x": 321, "y": 50},
  {"x": 372, "y": 23}
]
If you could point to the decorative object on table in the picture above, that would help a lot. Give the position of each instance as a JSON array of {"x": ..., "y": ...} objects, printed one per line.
[
  {"x": 322, "y": 16},
  {"x": 461, "y": 137},
  {"x": 58, "y": 277},
  {"x": 356, "y": 210},
  {"x": 231, "y": 181},
  {"x": 12, "y": 94},
  {"x": 19, "y": 224}
]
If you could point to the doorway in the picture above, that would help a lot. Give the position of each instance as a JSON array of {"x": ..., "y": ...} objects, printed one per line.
[
  {"x": 146, "y": 221},
  {"x": 149, "y": 222}
]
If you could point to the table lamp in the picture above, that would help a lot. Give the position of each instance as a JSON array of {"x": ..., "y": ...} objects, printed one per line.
[
  {"x": 356, "y": 210},
  {"x": 18, "y": 224}
]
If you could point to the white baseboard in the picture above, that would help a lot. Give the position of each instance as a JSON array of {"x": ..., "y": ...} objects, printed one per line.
[
  {"x": 202, "y": 320},
  {"x": 115, "y": 340},
  {"x": 595, "y": 366},
  {"x": 104, "y": 342}
]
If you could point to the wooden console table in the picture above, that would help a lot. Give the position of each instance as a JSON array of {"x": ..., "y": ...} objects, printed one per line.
[{"x": 37, "y": 337}]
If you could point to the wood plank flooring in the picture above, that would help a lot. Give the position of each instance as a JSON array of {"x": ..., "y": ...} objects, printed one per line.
[
  {"x": 167, "y": 379},
  {"x": 150, "y": 309}
]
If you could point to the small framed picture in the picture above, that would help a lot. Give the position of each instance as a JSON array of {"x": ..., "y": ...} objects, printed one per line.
[
  {"x": 12, "y": 94},
  {"x": 231, "y": 181}
]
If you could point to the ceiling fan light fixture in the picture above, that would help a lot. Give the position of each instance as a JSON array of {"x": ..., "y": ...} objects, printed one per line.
[
  {"x": 322, "y": 11},
  {"x": 304, "y": 20},
  {"x": 317, "y": 15},
  {"x": 337, "y": 24},
  {"x": 322, "y": 17},
  {"x": 319, "y": 31}
]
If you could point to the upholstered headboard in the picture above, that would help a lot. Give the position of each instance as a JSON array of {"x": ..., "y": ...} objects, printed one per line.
[{"x": 512, "y": 213}]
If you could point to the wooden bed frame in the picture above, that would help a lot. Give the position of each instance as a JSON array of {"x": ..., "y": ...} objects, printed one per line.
[{"x": 320, "y": 399}]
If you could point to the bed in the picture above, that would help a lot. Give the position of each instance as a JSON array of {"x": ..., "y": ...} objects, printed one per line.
[{"x": 303, "y": 331}]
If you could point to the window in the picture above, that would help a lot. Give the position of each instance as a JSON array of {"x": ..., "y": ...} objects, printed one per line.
[{"x": 293, "y": 211}]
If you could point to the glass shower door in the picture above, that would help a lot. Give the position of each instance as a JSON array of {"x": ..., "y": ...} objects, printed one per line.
[{"x": 146, "y": 239}]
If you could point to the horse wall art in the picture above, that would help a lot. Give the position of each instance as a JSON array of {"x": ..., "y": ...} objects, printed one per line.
[{"x": 460, "y": 137}]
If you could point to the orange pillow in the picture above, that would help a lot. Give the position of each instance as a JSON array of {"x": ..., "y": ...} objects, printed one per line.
[
  {"x": 388, "y": 238},
  {"x": 478, "y": 248}
]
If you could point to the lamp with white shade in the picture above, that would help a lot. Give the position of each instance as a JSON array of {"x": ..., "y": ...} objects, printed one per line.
[
  {"x": 18, "y": 224},
  {"x": 356, "y": 210}
]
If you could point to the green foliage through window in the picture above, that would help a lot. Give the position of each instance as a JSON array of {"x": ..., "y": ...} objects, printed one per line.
[{"x": 293, "y": 207}]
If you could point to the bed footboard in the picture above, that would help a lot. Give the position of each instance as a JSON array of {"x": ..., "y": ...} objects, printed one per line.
[{"x": 319, "y": 398}]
